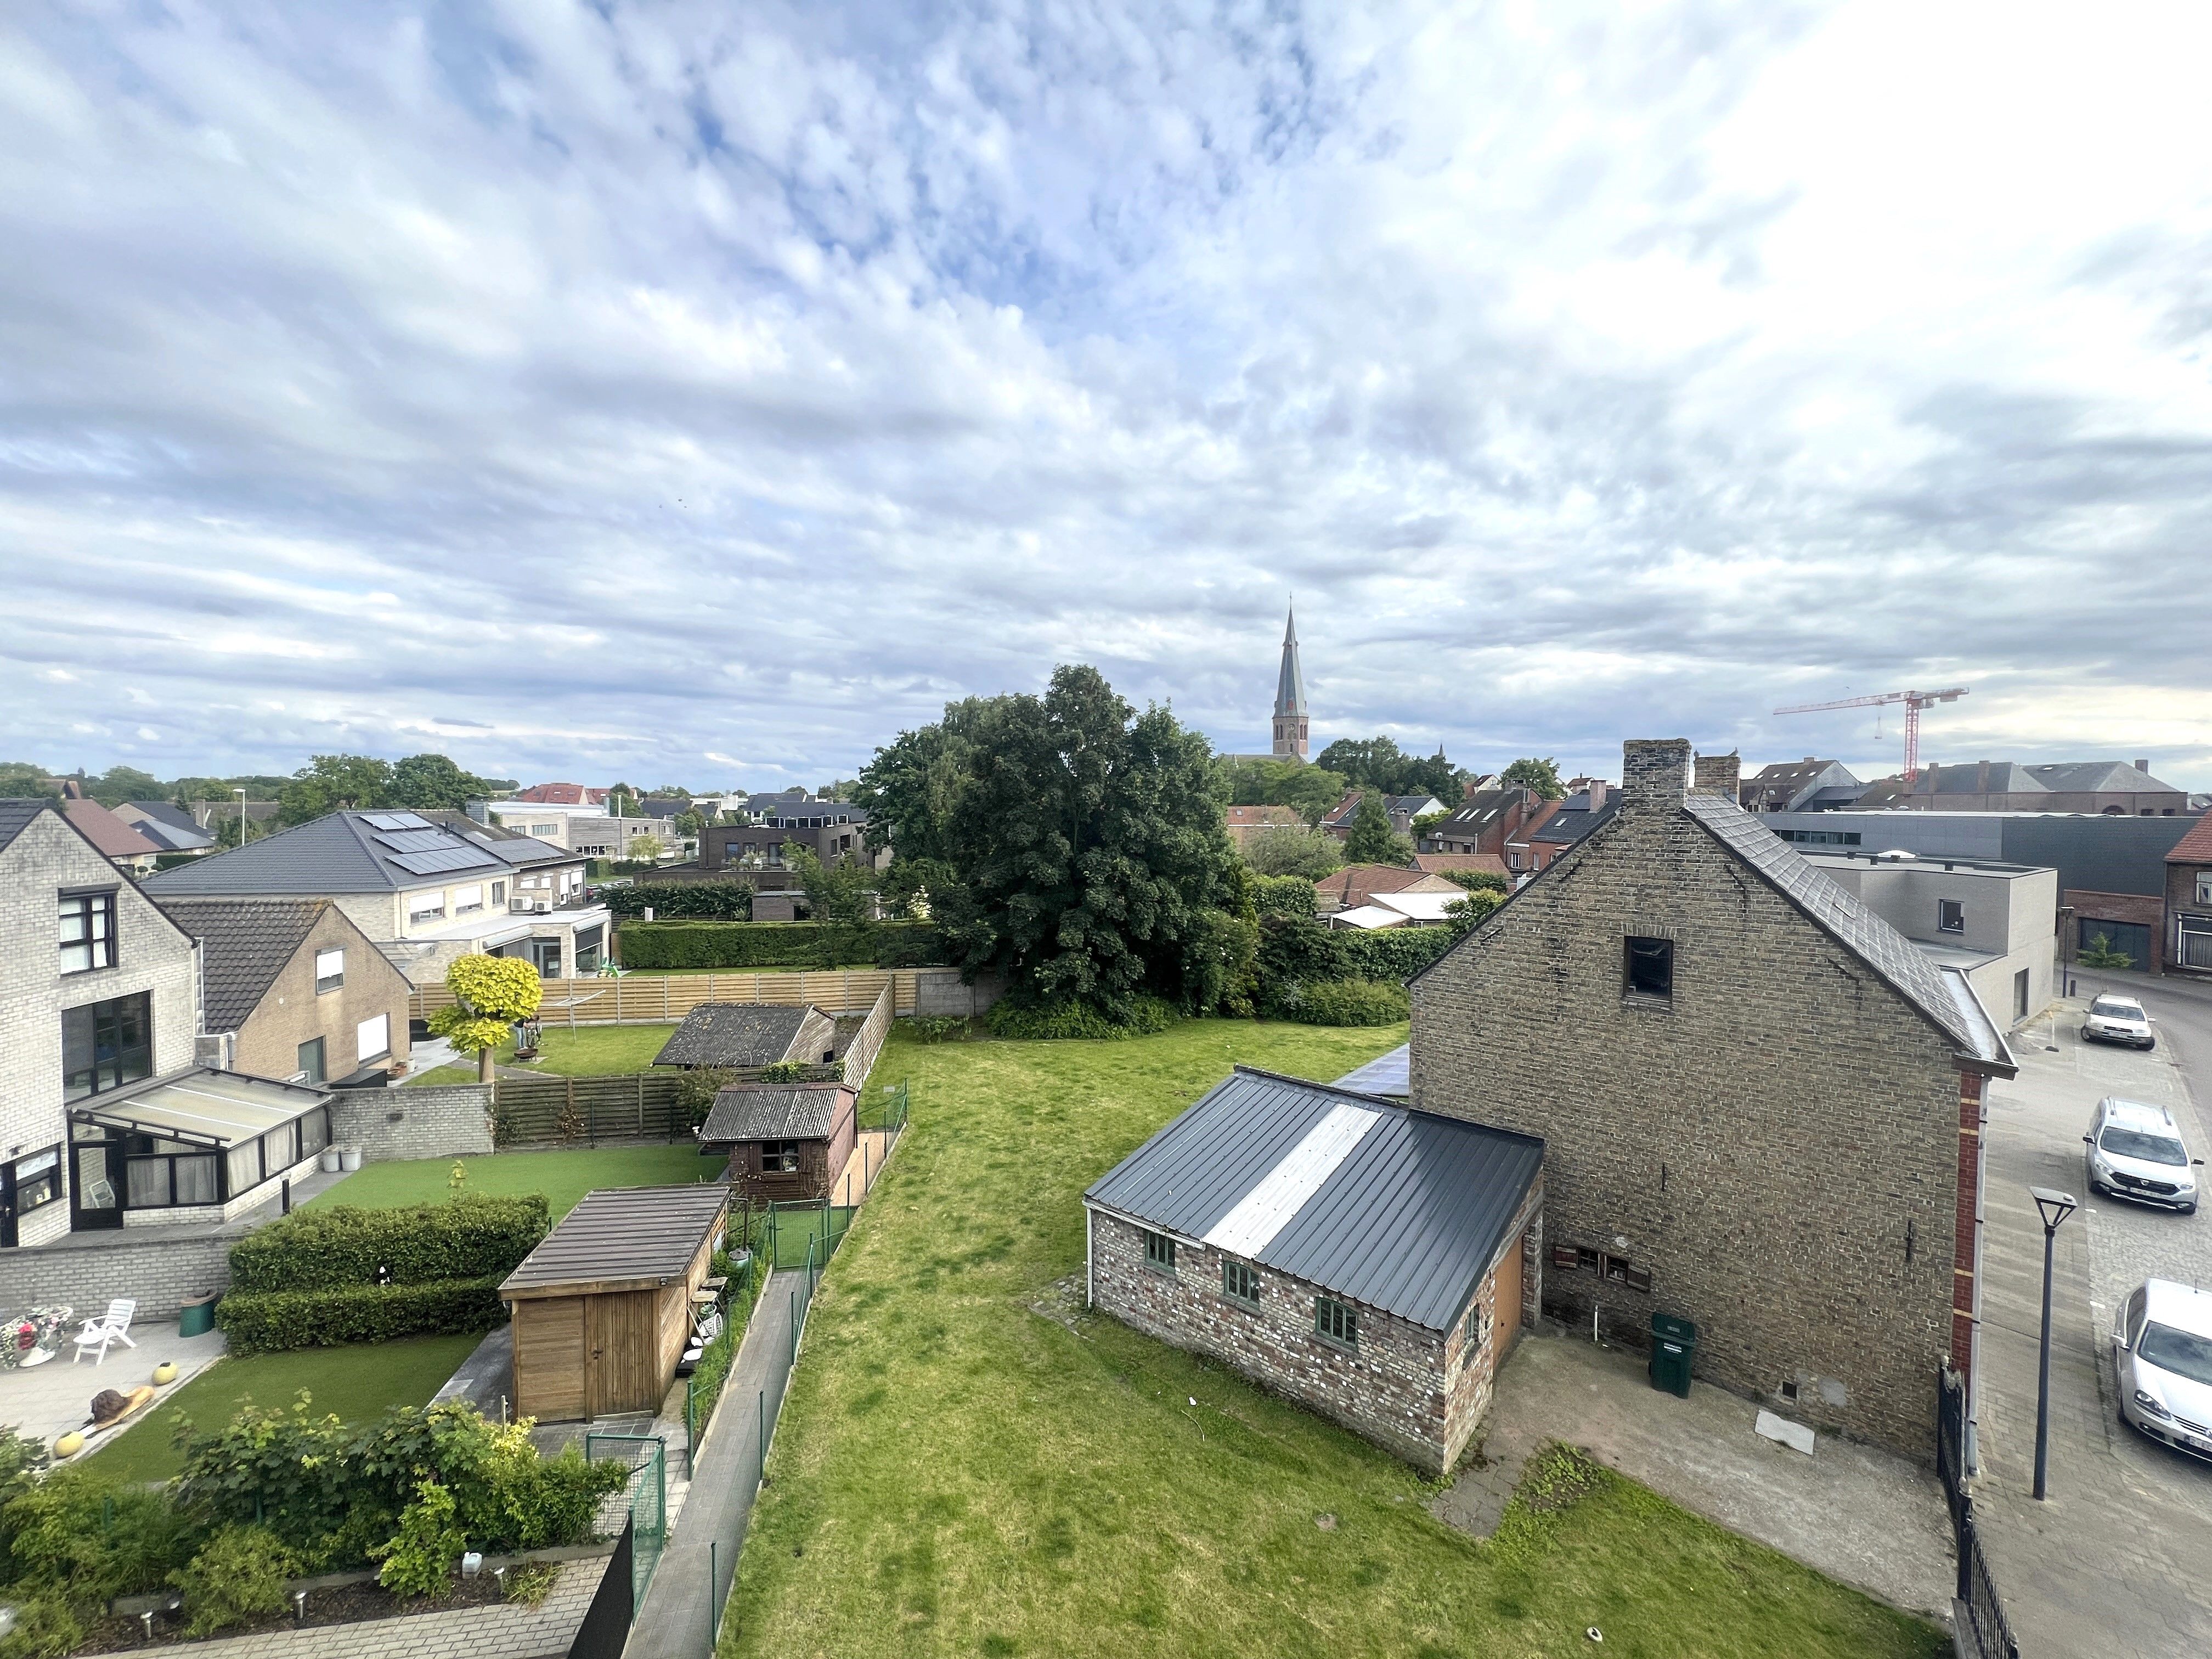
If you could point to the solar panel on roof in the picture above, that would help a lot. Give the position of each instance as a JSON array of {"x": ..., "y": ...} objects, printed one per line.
[
  {"x": 430, "y": 863},
  {"x": 394, "y": 821},
  {"x": 414, "y": 840}
]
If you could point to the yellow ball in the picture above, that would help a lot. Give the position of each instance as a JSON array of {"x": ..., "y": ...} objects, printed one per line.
[
  {"x": 166, "y": 1372},
  {"x": 69, "y": 1445}
]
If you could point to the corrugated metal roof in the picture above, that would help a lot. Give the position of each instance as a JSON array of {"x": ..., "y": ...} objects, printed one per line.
[
  {"x": 628, "y": 1235},
  {"x": 767, "y": 1111},
  {"x": 1386, "y": 1075},
  {"x": 1405, "y": 1219}
]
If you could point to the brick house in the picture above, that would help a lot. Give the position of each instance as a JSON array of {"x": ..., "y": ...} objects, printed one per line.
[
  {"x": 783, "y": 1140},
  {"x": 1487, "y": 819},
  {"x": 1761, "y": 1105},
  {"x": 1248, "y": 823},
  {"x": 291, "y": 986},
  {"x": 2189, "y": 900},
  {"x": 1531, "y": 850},
  {"x": 106, "y": 1120},
  {"x": 1371, "y": 1262},
  {"x": 759, "y": 852}
]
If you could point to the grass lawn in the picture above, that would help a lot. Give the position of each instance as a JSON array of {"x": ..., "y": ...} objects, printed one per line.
[
  {"x": 959, "y": 1472},
  {"x": 563, "y": 1177},
  {"x": 587, "y": 1051},
  {"x": 357, "y": 1382}
]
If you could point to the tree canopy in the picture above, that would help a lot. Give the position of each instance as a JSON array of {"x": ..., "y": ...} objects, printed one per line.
[
  {"x": 331, "y": 783},
  {"x": 1371, "y": 838},
  {"x": 1284, "y": 851},
  {"x": 1077, "y": 845},
  {"x": 1541, "y": 775},
  {"x": 1308, "y": 790},
  {"x": 1379, "y": 763}
]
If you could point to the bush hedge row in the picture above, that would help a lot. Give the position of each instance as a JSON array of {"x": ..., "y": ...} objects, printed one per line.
[
  {"x": 1348, "y": 1002},
  {"x": 1063, "y": 1021},
  {"x": 340, "y": 1247},
  {"x": 1394, "y": 954},
  {"x": 697, "y": 901},
  {"x": 265, "y": 1322},
  {"x": 751, "y": 945}
]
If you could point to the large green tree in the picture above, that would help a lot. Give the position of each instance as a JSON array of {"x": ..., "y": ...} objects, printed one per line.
[
  {"x": 1541, "y": 775},
  {"x": 1379, "y": 763},
  {"x": 328, "y": 783},
  {"x": 1282, "y": 850},
  {"x": 24, "y": 781},
  {"x": 1371, "y": 838},
  {"x": 121, "y": 783},
  {"x": 433, "y": 783},
  {"x": 1308, "y": 790},
  {"x": 1080, "y": 843}
]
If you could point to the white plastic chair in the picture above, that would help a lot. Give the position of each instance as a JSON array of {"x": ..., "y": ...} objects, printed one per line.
[{"x": 113, "y": 1326}]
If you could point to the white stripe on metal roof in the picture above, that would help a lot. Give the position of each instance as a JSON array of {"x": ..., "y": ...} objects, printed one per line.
[{"x": 1283, "y": 1191}]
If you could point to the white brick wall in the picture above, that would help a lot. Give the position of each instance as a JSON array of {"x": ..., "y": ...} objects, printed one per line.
[{"x": 453, "y": 1121}]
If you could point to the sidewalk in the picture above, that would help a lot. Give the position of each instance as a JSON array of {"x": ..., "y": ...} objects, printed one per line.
[{"x": 679, "y": 1618}]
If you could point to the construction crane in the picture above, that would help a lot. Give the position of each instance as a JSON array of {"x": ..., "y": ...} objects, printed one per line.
[{"x": 1914, "y": 702}]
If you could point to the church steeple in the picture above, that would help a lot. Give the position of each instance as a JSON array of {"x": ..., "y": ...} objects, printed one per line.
[{"x": 1291, "y": 697}]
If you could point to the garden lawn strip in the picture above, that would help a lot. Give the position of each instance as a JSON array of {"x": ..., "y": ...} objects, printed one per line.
[
  {"x": 563, "y": 1177},
  {"x": 355, "y": 1383},
  {"x": 592, "y": 1050},
  {"x": 969, "y": 1463}
]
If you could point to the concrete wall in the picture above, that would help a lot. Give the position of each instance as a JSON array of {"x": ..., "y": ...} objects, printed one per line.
[
  {"x": 1778, "y": 1145},
  {"x": 938, "y": 993},
  {"x": 449, "y": 1121}
]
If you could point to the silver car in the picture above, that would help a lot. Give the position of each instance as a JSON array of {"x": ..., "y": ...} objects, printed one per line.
[
  {"x": 2162, "y": 1350},
  {"x": 2118, "y": 1019},
  {"x": 2135, "y": 1151}
]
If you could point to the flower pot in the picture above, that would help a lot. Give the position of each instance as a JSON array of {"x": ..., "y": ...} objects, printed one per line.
[
  {"x": 165, "y": 1373},
  {"x": 350, "y": 1159},
  {"x": 330, "y": 1160}
]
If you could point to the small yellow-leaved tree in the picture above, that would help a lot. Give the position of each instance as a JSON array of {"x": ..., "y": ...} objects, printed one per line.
[{"x": 490, "y": 993}]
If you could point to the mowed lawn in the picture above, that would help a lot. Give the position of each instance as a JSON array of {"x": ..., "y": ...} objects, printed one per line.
[
  {"x": 587, "y": 1051},
  {"x": 968, "y": 1464},
  {"x": 357, "y": 1382},
  {"x": 563, "y": 1177}
]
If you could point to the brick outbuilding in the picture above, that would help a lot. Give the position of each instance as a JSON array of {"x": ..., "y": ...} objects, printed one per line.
[{"x": 1373, "y": 1262}]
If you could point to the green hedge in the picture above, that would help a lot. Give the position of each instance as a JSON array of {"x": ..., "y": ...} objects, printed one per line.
[
  {"x": 344, "y": 1247},
  {"x": 1348, "y": 1002},
  {"x": 264, "y": 1322},
  {"x": 1394, "y": 954},
  {"x": 749, "y": 945},
  {"x": 1065, "y": 1021},
  {"x": 697, "y": 900}
]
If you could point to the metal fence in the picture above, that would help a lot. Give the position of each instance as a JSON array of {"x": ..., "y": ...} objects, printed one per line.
[
  {"x": 606, "y": 1629},
  {"x": 1981, "y": 1631},
  {"x": 643, "y": 1502}
]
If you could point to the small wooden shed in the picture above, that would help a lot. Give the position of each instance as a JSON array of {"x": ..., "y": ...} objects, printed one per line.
[
  {"x": 785, "y": 1141},
  {"x": 601, "y": 1307}
]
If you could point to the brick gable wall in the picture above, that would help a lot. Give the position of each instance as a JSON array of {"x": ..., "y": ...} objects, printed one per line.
[{"x": 1779, "y": 1145}]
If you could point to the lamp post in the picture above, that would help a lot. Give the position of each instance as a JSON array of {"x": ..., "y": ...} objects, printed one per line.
[
  {"x": 240, "y": 794},
  {"x": 2054, "y": 1206}
]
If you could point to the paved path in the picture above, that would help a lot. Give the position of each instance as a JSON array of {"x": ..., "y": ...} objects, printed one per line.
[
  {"x": 677, "y": 1619},
  {"x": 2112, "y": 1562},
  {"x": 1859, "y": 1515}
]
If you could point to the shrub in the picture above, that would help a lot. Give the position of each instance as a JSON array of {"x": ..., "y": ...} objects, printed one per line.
[
  {"x": 696, "y": 1091},
  {"x": 47, "y": 1627},
  {"x": 238, "y": 1576},
  {"x": 743, "y": 945},
  {"x": 783, "y": 1071},
  {"x": 1349, "y": 1002},
  {"x": 1066, "y": 1021},
  {"x": 1283, "y": 896},
  {"x": 700, "y": 900},
  {"x": 1284, "y": 851},
  {"x": 320, "y": 1248},
  {"x": 282, "y": 1467},
  {"x": 420, "y": 1557},
  {"x": 93, "y": 1539},
  {"x": 938, "y": 1029},
  {"x": 1478, "y": 881},
  {"x": 265, "y": 1322},
  {"x": 2100, "y": 952},
  {"x": 1393, "y": 954}
]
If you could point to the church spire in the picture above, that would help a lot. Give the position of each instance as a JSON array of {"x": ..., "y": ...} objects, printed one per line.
[{"x": 1291, "y": 697}]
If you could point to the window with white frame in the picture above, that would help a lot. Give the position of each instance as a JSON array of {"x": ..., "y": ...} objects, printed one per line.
[
  {"x": 373, "y": 1037},
  {"x": 2205, "y": 887},
  {"x": 467, "y": 901},
  {"x": 329, "y": 970},
  {"x": 425, "y": 906},
  {"x": 499, "y": 892}
]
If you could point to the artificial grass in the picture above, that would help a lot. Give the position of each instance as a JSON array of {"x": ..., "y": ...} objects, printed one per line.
[
  {"x": 357, "y": 1382},
  {"x": 968, "y": 1462},
  {"x": 563, "y": 1177}
]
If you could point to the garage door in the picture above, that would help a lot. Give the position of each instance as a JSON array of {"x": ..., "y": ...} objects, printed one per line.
[{"x": 2130, "y": 939}]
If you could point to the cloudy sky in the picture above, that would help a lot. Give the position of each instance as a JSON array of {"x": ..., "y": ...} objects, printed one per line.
[{"x": 702, "y": 392}]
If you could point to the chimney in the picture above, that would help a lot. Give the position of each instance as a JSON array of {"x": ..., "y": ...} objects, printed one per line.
[
  {"x": 1654, "y": 772},
  {"x": 1719, "y": 774},
  {"x": 2143, "y": 767},
  {"x": 1981, "y": 777},
  {"x": 1599, "y": 789}
]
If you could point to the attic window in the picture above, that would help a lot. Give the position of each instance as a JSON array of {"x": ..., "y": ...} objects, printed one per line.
[
  {"x": 329, "y": 970},
  {"x": 1650, "y": 966}
]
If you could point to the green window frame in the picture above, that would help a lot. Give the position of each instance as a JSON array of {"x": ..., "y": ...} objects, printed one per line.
[
  {"x": 1477, "y": 1329},
  {"x": 1240, "y": 1282},
  {"x": 1159, "y": 1252},
  {"x": 1336, "y": 1322}
]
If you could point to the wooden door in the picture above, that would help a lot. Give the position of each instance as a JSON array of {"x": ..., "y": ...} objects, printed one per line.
[
  {"x": 549, "y": 1359},
  {"x": 1505, "y": 1301},
  {"x": 621, "y": 1353}
]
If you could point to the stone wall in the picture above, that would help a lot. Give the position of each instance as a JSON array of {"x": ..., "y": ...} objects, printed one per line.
[
  {"x": 1777, "y": 1144},
  {"x": 938, "y": 993},
  {"x": 454, "y": 1121},
  {"x": 1390, "y": 1390},
  {"x": 162, "y": 1268}
]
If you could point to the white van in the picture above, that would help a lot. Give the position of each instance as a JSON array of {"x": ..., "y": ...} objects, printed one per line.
[{"x": 2135, "y": 1151}]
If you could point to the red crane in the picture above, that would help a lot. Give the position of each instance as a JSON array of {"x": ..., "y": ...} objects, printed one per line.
[{"x": 1914, "y": 702}]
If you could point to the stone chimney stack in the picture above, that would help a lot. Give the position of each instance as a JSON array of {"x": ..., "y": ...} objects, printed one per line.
[
  {"x": 2143, "y": 767},
  {"x": 1719, "y": 774},
  {"x": 1654, "y": 772}
]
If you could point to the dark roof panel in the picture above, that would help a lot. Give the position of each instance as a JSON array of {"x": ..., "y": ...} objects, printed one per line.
[
  {"x": 341, "y": 853},
  {"x": 630, "y": 1234},
  {"x": 735, "y": 1033},
  {"x": 244, "y": 944},
  {"x": 1386, "y": 1075},
  {"x": 769, "y": 1111},
  {"x": 15, "y": 817}
]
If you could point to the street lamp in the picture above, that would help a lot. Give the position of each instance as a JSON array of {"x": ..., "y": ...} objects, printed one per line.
[
  {"x": 240, "y": 794},
  {"x": 2054, "y": 1206}
]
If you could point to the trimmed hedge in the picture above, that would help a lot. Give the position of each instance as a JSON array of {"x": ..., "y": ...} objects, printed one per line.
[
  {"x": 700, "y": 900},
  {"x": 342, "y": 1247},
  {"x": 1283, "y": 896},
  {"x": 1076, "y": 1021},
  {"x": 749, "y": 945},
  {"x": 1348, "y": 1002},
  {"x": 265, "y": 1322},
  {"x": 1394, "y": 954}
]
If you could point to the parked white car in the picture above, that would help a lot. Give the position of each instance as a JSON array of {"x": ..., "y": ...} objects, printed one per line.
[
  {"x": 2162, "y": 1350},
  {"x": 2118, "y": 1019},
  {"x": 2135, "y": 1151}
]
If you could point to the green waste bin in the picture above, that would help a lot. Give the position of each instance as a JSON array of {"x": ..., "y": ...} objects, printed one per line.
[
  {"x": 197, "y": 1317},
  {"x": 1674, "y": 1346}
]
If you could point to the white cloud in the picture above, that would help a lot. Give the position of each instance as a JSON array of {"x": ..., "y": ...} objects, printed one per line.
[{"x": 607, "y": 390}]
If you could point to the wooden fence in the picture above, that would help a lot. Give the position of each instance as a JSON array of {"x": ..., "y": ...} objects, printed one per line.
[
  {"x": 657, "y": 999},
  {"x": 859, "y": 1056},
  {"x": 584, "y": 1110}
]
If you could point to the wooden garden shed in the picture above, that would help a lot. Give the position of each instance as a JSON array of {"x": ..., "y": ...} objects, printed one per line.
[
  {"x": 601, "y": 1307},
  {"x": 784, "y": 1140}
]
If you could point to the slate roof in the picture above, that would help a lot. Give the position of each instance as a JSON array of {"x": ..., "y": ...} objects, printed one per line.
[
  {"x": 735, "y": 1033},
  {"x": 1478, "y": 810},
  {"x": 244, "y": 944},
  {"x": 1405, "y": 1221},
  {"x": 15, "y": 817},
  {"x": 635, "y": 1236},
  {"x": 771, "y": 1111},
  {"x": 167, "y": 825},
  {"x": 342, "y": 853},
  {"x": 1569, "y": 825}
]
